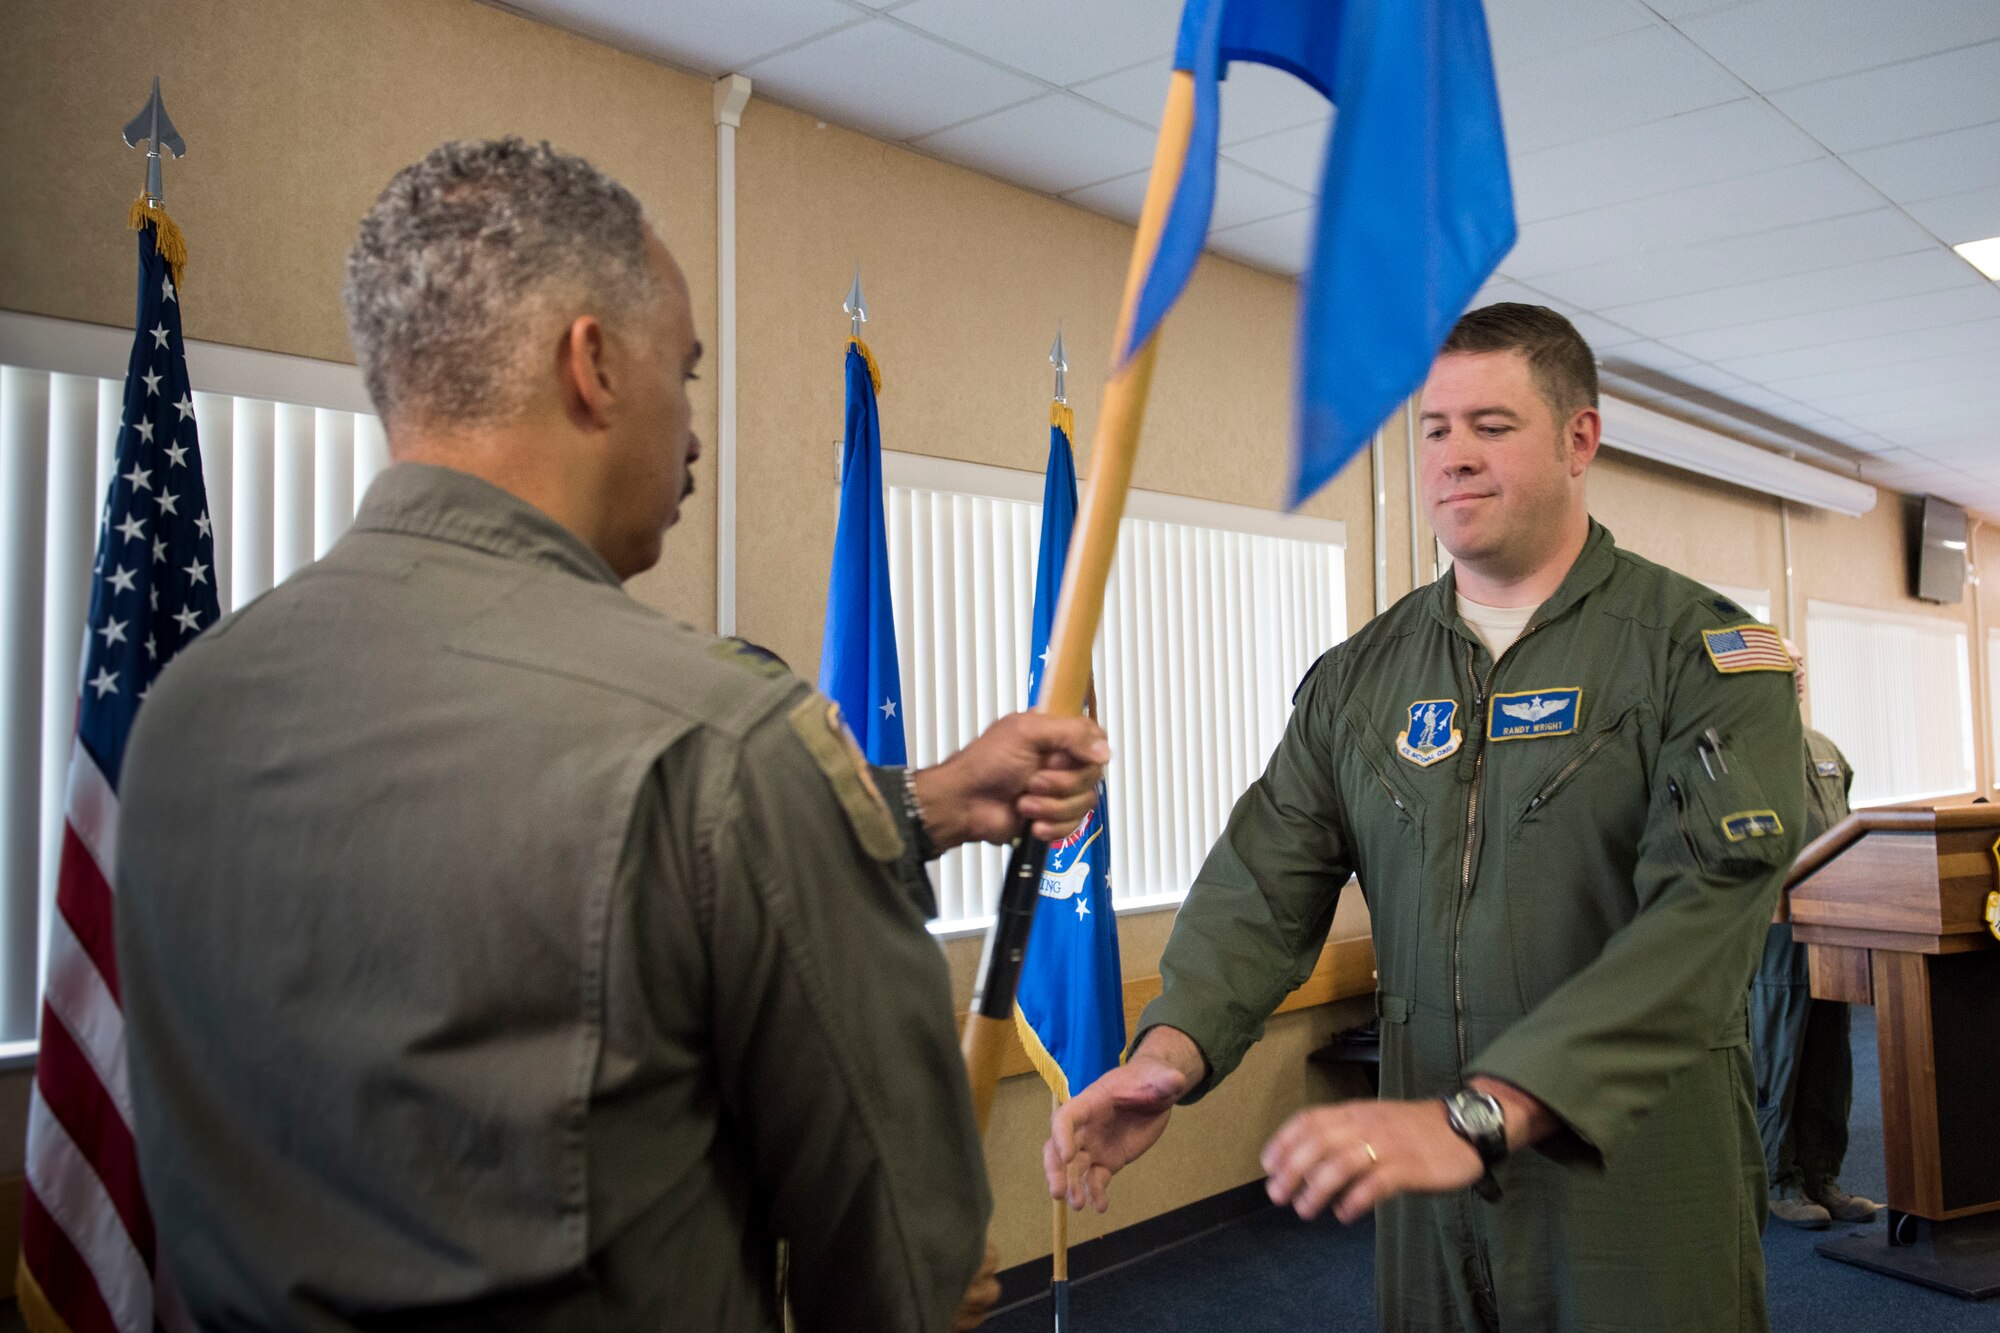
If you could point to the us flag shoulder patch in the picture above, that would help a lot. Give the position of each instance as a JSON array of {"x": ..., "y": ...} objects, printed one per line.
[{"x": 1746, "y": 648}]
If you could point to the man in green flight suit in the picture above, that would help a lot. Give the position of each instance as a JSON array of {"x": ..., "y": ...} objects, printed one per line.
[
  {"x": 1805, "y": 1067},
  {"x": 1568, "y": 781}
]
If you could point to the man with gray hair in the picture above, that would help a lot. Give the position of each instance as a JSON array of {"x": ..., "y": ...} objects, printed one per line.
[{"x": 496, "y": 952}]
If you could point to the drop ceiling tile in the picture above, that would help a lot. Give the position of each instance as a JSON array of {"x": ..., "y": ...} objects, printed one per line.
[
  {"x": 1057, "y": 40},
  {"x": 1741, "y": 206},
  {"x": 1942, "y": 368},
  {"x": 1649, "y": 356},
  {"x": 1240, "y": 197},
  {"x": 1256, "y": 99},
  {"x": 1957, "y": 218},
  {"x": 842, "y": 77},
  {"x": 1946, "y": 91},
  {"x": 1295, "y": 156},
  {"x": 1868, "y": 352},
  {"x": 1980, "y": 390},
  {"x": 1716, "y": 143},
  {"x": 1278, "y": 244},
  {"x": 1659, "y": 274},
  {"x": 1680, "y": 9},
  {"x": 1943, "y": 164},
  {"x": 1054, "y": 143},
  {"x": 1611, "y": 84},
  {"x": 1524, "y": 30},
  {"x": 1929, "y": 270},
  {"x": 1930, "y": 311},
  {"x": 1782, "y": 43},
  {"x": 709, "y": 39}
]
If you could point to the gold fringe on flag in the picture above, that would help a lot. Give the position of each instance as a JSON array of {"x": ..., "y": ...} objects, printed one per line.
[
  {"x": 167, "y": 236},
  {"x": 36, "y": 1312},
  {"x": 1064, "y": 418},
  {"x": 874, "y": 371}
]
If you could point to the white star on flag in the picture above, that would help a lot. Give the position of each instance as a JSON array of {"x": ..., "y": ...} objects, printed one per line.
[
  {"x": 159, "y": 551},
  {"x": 104, "y": 682},
  {"x": 152, "y": 649},
  {"x": 113, "y": 632},
  {"x": 888, "y": 708},
  {"x": 132, "y": 529},
  {"x": 1082, "y": 909},
  {"x": 187, "y": 619},
  {"x": 166, "y": 289},
  {"x": 141, "y": 479},
  {"x": 159, "y": 333},
  {"x": 167, "y": 502},
  {"x": 145, "y": 429},
  {"x": 152, "y": 382},
  {"x": 202, "y": 524},
  {"x": 121, "y": 579},
  {"x": 177, "y": 455},
  {"x": 197, "y": 571},
  {"x": 185, "y": 406}
]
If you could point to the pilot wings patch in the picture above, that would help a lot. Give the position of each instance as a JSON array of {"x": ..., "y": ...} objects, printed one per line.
[{"x": 1531, "y": 714}]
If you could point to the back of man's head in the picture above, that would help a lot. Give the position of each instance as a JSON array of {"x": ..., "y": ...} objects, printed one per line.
[
  {"x": 468, "y": 267},
  {"x": 1558, "y": 358}
]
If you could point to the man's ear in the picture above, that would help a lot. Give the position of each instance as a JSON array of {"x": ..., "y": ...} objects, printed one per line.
[
  {"x": 1586, "y": 431},
  {"x": 583, "y": 380}
]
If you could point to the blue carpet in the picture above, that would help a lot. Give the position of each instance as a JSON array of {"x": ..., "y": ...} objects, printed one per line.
[{"x": 1271, "y": 1273}]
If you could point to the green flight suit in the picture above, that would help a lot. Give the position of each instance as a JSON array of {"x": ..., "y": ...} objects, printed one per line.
[
  {"x": 1574, "y": 907},
  {"x": 498, "y": 954},
  {"x": 1805, "y": 1067}
]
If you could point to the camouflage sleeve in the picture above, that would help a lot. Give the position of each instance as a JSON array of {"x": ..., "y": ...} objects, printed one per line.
[
  {"x": 1257, "y": 916},
  {"x": 1604, "y": 1047}
]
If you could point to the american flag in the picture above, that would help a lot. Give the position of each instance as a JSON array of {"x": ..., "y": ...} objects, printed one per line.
[
  {"x": 1747, "y": 648},
  {"x": 87, "y": 1240}
]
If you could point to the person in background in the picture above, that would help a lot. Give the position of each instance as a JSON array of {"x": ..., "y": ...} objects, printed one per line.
[
  {"x": 1805, "y": 1067},
  {"x": 497, "y": 953}
]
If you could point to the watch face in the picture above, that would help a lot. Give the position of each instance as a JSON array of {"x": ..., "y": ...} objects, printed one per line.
[{"x": 1480, "y": 1115}]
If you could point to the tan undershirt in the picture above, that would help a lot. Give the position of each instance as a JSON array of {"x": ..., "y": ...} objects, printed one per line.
[{"x": 1496, "y": 626}]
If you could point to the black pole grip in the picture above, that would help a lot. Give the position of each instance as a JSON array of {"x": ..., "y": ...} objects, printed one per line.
[{"x": 1007, "y": 940}]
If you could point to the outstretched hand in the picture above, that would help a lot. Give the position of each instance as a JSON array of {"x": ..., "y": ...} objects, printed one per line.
[
  {"x": 1355, "y": 1155},
  {"x": 1106, "y": 1126}
]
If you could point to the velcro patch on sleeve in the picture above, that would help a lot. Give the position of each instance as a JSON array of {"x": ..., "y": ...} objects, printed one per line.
[
  {"x": 751, "y": 657},
  {"x": 1746, "y": 824},
  {"x": 1747, "y": 648},
  {"x": 818, "y": 724}
]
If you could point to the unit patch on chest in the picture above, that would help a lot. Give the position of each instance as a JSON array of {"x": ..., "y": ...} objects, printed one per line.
[
  {"x": 1430, "y": 735},
  {"x": 1532, "y": 714}
]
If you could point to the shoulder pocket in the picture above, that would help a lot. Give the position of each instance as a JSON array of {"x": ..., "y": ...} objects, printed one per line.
[{"x": 1729, "y": 822}]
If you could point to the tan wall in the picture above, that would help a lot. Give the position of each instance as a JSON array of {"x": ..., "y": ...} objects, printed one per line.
[{"x": 297, "y": 114}]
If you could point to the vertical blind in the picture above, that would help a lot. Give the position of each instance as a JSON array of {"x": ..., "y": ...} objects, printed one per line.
[
  {"x": 1894, "y": 692},
  {"x": 1211, "y": 616},
  {"x": 282, "y": 481}
]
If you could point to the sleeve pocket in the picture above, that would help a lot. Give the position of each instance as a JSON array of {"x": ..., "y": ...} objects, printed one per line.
[{"x": 1730, "y": 822}]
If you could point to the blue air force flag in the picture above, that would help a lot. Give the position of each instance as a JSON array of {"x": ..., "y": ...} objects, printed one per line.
[
  {"x": 857, "y": 656},
  {"x": 1070, "y": 1004},
  {"x": 1415, "y": 206}
]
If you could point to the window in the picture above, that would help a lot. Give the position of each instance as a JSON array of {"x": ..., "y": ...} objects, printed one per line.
[
  {"x": 1895, "y": 693},
  {"x": 282, "y": 480},
  {"x": 1757, "y": 601},
  {"x": 1211, "y": 617}
]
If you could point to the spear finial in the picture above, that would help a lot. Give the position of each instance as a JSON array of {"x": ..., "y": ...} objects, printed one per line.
[
  {"x": 856, "y": 308},
  {"x": 153, "y": 127},
  {"x": 1060, "y": 362}
]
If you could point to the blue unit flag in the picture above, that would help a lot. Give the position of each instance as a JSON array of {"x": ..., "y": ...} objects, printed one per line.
[
  {"x": 1415, "y": 206},
  {"x": 857, "y": 657},
  {"x": 1070, "y": 1003}
]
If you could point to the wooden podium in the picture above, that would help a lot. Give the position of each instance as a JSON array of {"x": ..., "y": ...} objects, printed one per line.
[{"x": 1890, "y": 904}]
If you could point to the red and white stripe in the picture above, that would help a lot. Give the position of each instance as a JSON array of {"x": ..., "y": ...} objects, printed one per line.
[{"x": 87, "y": 1240}]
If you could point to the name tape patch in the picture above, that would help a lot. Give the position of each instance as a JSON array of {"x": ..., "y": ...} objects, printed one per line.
[
  {"x": 1828, "y": 768},
  {"x": 1746, "y": 824},
  {"x": 1430, "y": 735},
  {"x": 1532, "y": 714}
]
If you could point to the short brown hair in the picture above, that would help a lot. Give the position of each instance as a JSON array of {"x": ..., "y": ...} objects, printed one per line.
[{"x": 1558, "y": 357}]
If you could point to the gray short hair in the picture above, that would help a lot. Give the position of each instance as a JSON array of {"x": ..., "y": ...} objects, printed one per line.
[{"x": 461, "y": 251}]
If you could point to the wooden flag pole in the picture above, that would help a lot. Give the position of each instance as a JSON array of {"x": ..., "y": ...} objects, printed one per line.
[
  {"x": 1059, "y": 1260},
  {"x": 989, "y": 1025}
]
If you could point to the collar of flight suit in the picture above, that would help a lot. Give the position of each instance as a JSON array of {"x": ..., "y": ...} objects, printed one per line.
[
  {"x": 444, "y": 504},
  {"x": 1592, "y": 567}
]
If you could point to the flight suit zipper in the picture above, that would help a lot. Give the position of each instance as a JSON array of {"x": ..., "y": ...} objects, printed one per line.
[
  {"x": 1563, "y": 775},
  {"x": 1679, "y": 798},
  {"x": 1480, "y": 691},
  {"x": 1387, "y": 789}
]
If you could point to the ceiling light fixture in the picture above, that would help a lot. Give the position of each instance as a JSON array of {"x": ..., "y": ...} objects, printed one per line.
[{"x": 1982, "y": 255}]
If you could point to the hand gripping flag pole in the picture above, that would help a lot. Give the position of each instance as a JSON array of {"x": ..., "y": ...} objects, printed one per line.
[{"x": 1114, "y": 449}]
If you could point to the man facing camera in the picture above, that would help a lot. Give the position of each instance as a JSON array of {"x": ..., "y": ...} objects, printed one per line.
[
  {"x": 1568, "y": 782},
  {"x": 498, "y": 953}
]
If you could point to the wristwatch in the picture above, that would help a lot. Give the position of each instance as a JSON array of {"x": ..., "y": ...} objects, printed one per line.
[{"x": 1477, "y": 1118}]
